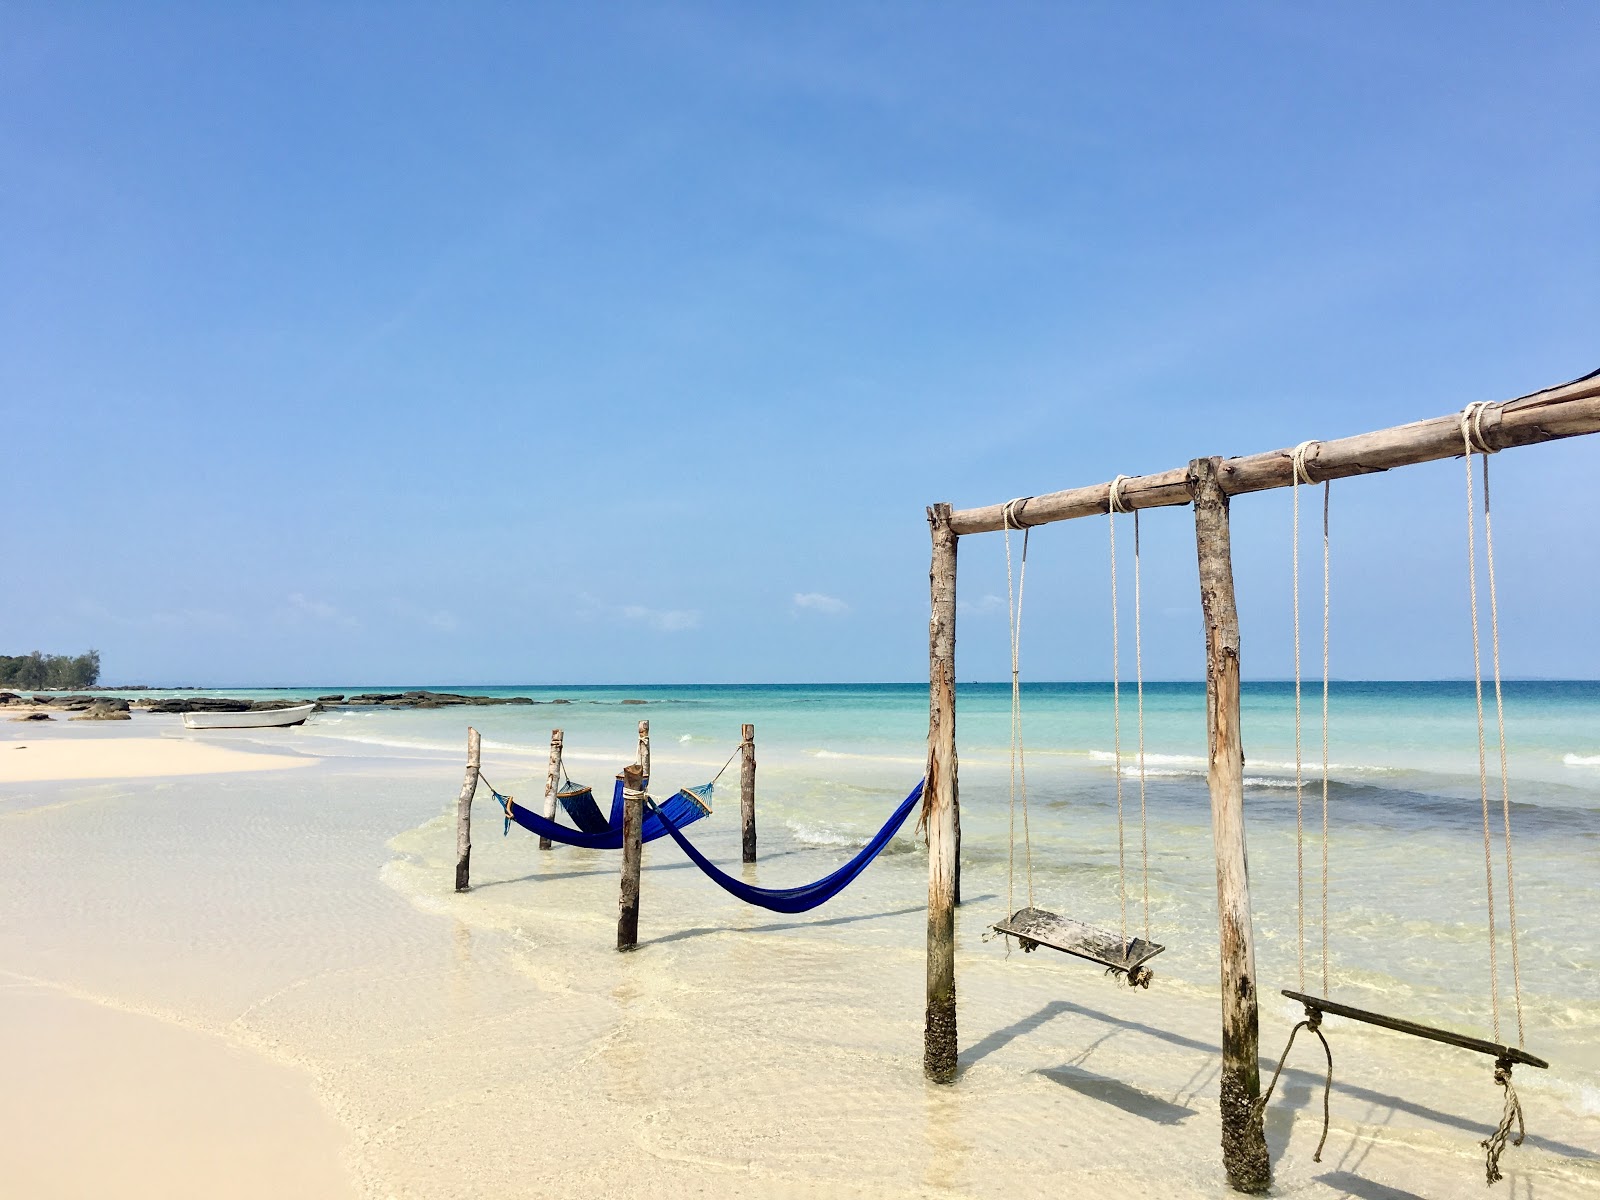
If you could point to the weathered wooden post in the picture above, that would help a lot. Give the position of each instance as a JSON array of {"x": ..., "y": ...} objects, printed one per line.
[
  {"x": 632, "y": 851},
  {"x": 552, "y": 781},
  {"x": 469, "y": 787},
  {"x": 747, "y": 789},
  {"x": 1244, "y": 1144},
  {"x": 940, "y": 805},
  {"x": 644, "y": 749}
]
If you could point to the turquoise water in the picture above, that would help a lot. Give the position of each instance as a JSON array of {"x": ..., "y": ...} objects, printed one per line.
[{"x": 740, "y": 1040}]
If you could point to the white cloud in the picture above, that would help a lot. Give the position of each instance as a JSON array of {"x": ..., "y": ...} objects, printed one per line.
[
  {"x": 983, "y": 606},
  {"x": 817, "y": 602},
  {"x": 444, "y": 622},
  {"x": 302, "y": 607},
  {"x": 668, "y": 620}
]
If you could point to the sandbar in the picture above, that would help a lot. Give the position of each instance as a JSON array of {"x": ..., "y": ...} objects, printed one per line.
[{"x": 52, "y": 757}]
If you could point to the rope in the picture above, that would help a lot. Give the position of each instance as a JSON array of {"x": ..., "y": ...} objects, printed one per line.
[
  {"x": 505, "y": 802},
  {"x": 1505, "y": 784},
  {"x": 1019, "y": 762},
  {"x": 727, "y": 764},
  {"x": 1494, "y": 1145},
  {"x": 1472, "y": 438},
  {"x": 1313, "y": 1022},
  {"x": 1116, "y": 708},
  {"x": 1138, "y": 668},
  {"x": 1300, "y": 476},
  {"x": 1327, "y": 580}
]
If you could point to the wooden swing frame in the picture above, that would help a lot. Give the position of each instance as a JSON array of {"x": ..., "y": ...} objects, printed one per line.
[{"x": 1206, "y": 484}]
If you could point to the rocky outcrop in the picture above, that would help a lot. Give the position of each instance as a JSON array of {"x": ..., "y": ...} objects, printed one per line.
[
  {"x": 33, "y": 716},
  {"x": 106, "y": 710}
]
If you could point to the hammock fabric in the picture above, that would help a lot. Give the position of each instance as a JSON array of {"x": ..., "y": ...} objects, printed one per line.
[
  {"x": 578, "y": 800},
  {"x": 796, "y": 899},
  {"x": 684, "y": 807}
]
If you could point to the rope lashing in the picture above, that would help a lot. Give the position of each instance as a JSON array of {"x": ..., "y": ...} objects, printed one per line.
[
  {"x": 1494, "y": 1145},
  {"x": 1313, "y": 1022},
  {"x": 1114, "y": 498},
  {"x": 1472, "y": 428}
]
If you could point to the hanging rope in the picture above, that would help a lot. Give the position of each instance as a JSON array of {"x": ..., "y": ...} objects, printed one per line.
[
  {"x": 1138, "y": 668},
  {"x": 1019, "y": 762},
  {"x": 1472, "y": 439},
  {"x": 727, "y": 764},
  {"x": 1505, "y": 781},
  {"x": 1114, "y": 506},
  {"x": 1494, "y": 1145},
  {"x": 1327, "y": 580},
  {"x": 1300, "y": 476},
  {"x": 1313, "y": 1022}
]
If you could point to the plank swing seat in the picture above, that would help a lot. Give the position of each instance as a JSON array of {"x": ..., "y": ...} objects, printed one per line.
[
  {"x": 1035, "y": 927},
  {"x": 1512, "y": 1054}
]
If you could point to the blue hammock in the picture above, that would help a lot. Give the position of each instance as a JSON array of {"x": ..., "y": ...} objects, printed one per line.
[
  {"x": 796, "y": 899},
  {"x": 684, "y": 807},
  {"x": 578, "y": 800}
]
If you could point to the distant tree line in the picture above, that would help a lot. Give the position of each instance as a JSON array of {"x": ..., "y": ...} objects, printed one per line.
[{"x": 50, "y": 670}]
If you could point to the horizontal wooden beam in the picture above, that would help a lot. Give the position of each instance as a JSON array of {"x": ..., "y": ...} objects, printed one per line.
[{"x": 1559, "y": 412}]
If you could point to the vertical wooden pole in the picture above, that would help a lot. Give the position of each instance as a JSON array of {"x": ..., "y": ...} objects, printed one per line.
[
  {"x": 747, "y": 789},
  {"x": 469, "y": 787},
  {"x": 644, "y": 750},
  {"x": 552, "y": 781},
  {"x": 1244, "y": 1146},
  {"x": 940, "y": 806},
  {"x": 632, "y": 852}
]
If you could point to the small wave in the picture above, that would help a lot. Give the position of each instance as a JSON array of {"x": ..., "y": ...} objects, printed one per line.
[
  {"x": 882, "y": 758},
  {"x": 819, "y": 835},
  {"x": 1581, "y": 760},
  {"x": 688, "y": 737},
  {"x": 1172, "y": 760},
  {"x": 1263, "y": 781}
]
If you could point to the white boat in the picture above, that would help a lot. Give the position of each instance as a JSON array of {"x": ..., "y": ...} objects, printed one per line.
[{"x": 266, "y": 718}]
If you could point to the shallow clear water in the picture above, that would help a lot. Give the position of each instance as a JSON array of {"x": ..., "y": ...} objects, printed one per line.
[{"x": 491, "y": 1043}]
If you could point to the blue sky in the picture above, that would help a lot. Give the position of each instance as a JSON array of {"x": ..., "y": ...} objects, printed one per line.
[{"x": 455, "y": 344}]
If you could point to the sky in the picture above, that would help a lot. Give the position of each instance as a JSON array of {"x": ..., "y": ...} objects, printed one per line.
[{"x": 481, "y": 344}]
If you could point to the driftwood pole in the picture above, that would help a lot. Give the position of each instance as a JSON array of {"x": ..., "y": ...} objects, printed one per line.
[
  {"x": 747, "y": 789},
  {"x": 644, "y": 750},
  {"x": 940, "y": 805},
  {"x": 469, "y": 788},
  {"x": 552, "y": 781},
  {"x": 632, "y": 852},
  {"x": 1244, "y": 1145}
]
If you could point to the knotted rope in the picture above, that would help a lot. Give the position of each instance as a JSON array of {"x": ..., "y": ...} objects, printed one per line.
[
  {"x": 1302, "y": 475},
  {"x": 503, "y": 800},
  {"x": 1494, "y": 1145},
  {"x": 1313, "y": 1022}
]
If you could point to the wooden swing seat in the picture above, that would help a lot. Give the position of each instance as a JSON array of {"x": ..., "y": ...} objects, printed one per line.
[
  {"x": 1499, "y": 1052},
  {"x": 1034, "y": 927}
]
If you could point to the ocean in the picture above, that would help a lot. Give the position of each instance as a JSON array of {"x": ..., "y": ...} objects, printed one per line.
[{"x": 494, "y": 1043}]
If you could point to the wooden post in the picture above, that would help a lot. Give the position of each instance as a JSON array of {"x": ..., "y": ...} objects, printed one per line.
[
  {"x": 632, "y": 851},
  {"x": 552, "y": 781},
  {"x": 747, "y": 789},
  {"x": 644, "y": 750},
  {"x": 469, "y": 787},
  {"x": 1244, "y": 1145},
  {"x": 940, "y": 806}
]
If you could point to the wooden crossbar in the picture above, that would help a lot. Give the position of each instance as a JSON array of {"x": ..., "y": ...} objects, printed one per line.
[
  {"x": 1509, "y": 1053},
  {"x": 1570, "y": 410}
]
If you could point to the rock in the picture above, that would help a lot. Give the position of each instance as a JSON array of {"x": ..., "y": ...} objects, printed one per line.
[
  {"x": 636, "y": 702},
  {"x": 10, "y": 698},
  {"x": 102, "y": 710},
  {"x": 330, "y": 699},
  {"x": 33, "y": 716},
  {"x": 182, "y": 704}
]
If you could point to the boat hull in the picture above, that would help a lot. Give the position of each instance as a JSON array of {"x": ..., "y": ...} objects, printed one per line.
[{"x": 269, "y": 718}]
